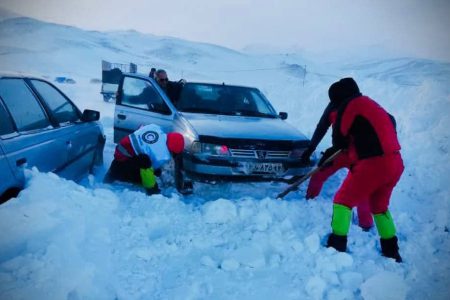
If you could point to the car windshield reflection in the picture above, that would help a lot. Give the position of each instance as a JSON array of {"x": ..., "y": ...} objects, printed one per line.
[{"x": 224, "y": 100}]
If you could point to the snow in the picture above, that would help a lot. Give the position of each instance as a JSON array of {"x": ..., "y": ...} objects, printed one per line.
[
  {"x": 88, "y": 240},
  {"x": 384, "y": 285}
]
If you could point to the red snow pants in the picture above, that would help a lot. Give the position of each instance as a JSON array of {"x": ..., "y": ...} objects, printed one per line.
[
  {"x": 371, "y": 179},
  {"x": 316, "y": 182}
]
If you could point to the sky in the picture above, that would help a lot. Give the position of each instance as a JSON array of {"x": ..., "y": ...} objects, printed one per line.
[{"x": 410, "y": 27}]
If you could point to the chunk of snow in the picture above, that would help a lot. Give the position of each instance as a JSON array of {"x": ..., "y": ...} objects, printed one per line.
[
  {"x": 219, "y": 211},
  {"x": 208, "y": 261},
  {"x": 263, "y": 220},
  {"x": 315, "y": 287},
  {"x": 250, "y": 256},
  {"x": 384, "y": 286},
  {"x": 229, "y": 265},
  {"x": 312, "y": 242}
]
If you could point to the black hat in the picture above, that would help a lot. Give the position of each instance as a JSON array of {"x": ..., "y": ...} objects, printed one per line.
[{"x": 343, "y": 89}]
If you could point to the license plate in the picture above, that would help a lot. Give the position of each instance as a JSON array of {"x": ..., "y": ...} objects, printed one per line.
[{"x": 265, "y": 168}]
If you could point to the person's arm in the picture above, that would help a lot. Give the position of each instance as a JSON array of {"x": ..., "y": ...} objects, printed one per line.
[
  {"x": 174, "y": 90},
  {"x": 321, "y": 128},
  {"x": 345, "y": 117},
  {"x": 319, "y": 132}
]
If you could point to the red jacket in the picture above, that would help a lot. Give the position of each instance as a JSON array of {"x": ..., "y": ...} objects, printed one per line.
[{"x": 364, "y": 125}]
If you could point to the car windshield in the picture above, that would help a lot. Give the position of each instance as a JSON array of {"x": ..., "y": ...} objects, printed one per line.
[{"x": 224, "y": 100}]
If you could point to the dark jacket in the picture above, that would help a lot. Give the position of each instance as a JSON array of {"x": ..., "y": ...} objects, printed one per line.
[{"x": 173, "y": 90}]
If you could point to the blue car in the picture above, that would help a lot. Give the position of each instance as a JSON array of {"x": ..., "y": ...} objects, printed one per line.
[{"x": 41, "y": 127}]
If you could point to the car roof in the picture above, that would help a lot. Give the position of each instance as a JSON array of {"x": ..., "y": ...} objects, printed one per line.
[
  {"x": 144, "y": 76},
  {"x": 221, "y": 84},
  {"x": 5, "y": 74}
]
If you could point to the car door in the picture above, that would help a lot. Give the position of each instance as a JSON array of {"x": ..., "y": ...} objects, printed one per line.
[
  {"x": 140, "y": 101},
  {"x": 8, "y": 179},
  {"x": 34, "y": 141},
  {"x": 81, "y": 139}
]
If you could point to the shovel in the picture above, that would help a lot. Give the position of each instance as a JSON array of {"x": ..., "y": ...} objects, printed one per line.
[{"x": 295, "y": 185}]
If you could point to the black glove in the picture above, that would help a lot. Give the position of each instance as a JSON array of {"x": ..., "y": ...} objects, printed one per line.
[
  {"x": 327, "y": 154},
  {"x": 306, "y": 155}
]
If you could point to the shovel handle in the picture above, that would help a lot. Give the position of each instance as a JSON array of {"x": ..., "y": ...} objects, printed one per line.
[{"x": 294, "y": 186}]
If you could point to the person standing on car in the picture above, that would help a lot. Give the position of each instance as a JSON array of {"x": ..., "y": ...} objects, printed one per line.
[
  {"x": 316, "y": 182},
  {"x": 171, "y": 88},
  {"x": 138, "y": 157},
  {"x": 367, "y": 132}
]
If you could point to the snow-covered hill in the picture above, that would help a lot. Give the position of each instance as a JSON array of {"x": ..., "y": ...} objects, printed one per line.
[{"x": 62, "y": 240}]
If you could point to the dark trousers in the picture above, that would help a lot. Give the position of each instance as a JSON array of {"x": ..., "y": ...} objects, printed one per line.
[{"x": 128, "y": 170}]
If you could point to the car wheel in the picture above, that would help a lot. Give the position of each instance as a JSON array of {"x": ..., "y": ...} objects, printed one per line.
[
  {"x": 8, "y": 194},
  {"x": 182, "y": 185}
]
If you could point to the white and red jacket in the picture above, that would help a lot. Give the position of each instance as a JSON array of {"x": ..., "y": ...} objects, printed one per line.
[{"x": 149, "y": 140}]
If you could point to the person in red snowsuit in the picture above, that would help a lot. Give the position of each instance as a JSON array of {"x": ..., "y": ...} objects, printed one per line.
[
  {"x": 316, "y": 182},
  {"x": 367, "y": 132}
]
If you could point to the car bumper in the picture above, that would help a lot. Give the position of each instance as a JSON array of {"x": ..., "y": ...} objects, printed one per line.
[{"x": 235, "y": 168}]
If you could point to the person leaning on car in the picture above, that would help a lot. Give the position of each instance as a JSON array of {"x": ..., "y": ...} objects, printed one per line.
[
  {"x": 138, "y": 157},
  {"x": 171, "y": 88}
]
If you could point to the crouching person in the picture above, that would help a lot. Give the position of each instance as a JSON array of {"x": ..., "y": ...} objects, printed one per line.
[
  {"x": 367, "y": 132},
  {"x": 138, "y": 157}
]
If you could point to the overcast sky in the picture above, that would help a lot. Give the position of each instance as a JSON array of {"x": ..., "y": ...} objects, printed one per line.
[{"x": 414, "y": 27}]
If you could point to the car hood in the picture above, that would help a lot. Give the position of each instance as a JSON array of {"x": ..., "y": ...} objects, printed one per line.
[{"x": 242, "y": 127}]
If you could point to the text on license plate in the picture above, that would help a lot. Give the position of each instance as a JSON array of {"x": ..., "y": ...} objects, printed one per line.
[{"x": 268, "y": 168}]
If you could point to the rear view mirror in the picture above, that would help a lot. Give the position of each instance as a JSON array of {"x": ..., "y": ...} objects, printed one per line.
[
  {"x": 90, "y": 115},
  {"x": 283, "y": 115}
]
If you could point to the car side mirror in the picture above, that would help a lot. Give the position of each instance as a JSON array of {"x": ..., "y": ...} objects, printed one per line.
[
  {"x": 90, "y": 115},
  {"x": 283, "y": 115}
]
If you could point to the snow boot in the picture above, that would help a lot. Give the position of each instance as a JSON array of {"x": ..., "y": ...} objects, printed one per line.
[
  {"x": 388, "y": 238},
  {"x": 153, "y": 191},
  {"x": 338, "y": 242},
  {"x": 389, "y": 248}
]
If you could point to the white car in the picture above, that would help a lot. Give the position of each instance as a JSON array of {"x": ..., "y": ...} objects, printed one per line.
[{"x": 231, "y": 132}]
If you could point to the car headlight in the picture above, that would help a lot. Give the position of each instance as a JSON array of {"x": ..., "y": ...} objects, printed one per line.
[{"x": 209, "y": 149}]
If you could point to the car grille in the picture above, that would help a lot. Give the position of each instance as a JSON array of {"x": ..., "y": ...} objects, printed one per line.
[{"x": 261, "y": 154}]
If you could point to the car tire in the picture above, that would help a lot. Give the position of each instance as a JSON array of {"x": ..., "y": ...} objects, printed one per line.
[
  {"x": 8, "y": 194},
  {"x": 182, "y": 185}
]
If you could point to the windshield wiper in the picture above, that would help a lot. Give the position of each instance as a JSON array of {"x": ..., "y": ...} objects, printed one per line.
[
  {"x": 252, "y": 113},
  {"x": 199, "y": 110}
]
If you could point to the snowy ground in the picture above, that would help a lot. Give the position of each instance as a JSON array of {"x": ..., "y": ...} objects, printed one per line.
[{"x": 88, "y": 240}]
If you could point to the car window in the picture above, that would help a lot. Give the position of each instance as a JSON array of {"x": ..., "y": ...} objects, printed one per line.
[
  {"x": 25, "y": 109},
  {"x": 223, "y": 99},
  {"x": 6, "y": 125},
  {"x": 61, "y": 109},
  {"x": 141, "y": 94}
]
